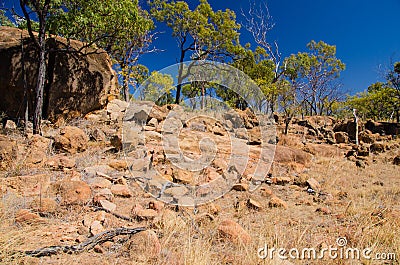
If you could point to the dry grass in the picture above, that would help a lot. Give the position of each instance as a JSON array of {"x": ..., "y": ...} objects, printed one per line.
[{"x": 364, "y": 205}]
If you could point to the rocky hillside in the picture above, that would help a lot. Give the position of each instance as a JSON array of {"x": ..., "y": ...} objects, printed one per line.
[{"x": 143, "y": 184}]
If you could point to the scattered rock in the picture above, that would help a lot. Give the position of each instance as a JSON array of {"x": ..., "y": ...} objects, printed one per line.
[
  {"x": 378, "y": 147},
  {"x": 360, "y": 163},
  {"x": 96, "y": 228},
  {"x": 396, "y": 160},
  {"x": 74, "y": 192},
  {"x": 277, "y": 203},
  {"x": 182, "y": 176},
  {"x": 254, "y": 136},
  {"x": 100, "y": 183},
  {"x": 89, "y": 218},
  {"x": 341, "y": 137},
  {"x": 121, "y": 190},
  {"x": 313, "y": 184},
  {"x": 362, "y": 150},
  {"x": 282, "y": 180},
  {"x": 241, "y": 187},
  {"x": 234, "y": 232},
  {"x": 10, "y": 125},
  {"x": 156, "y": 205},
  {"x": 324, "y": 210},
  {"x": 60, "y": 162},
  {"x": 118, "y": 164},
  {"x": 286, "y": 155},
  {"x": 71, "y": 139},
  {"x": 367, "y": 137},
  {"x": 153, "y": 122},
  {"x": 109, "y": 206},
  {"x": 143, "y": 246},
  {"x": 144, "y": 214},
  {"x": 266, "y": 192},
  {"x": 253, "y": 204},
  {"x": 176, "y": 191},
  {"x": 98, "y": 135},
  {"x": 103, "y": 194},
  {"x": 8, "y": 152},
  {"x": 26, "y": 216},
  {"x": 38, "y": 149}
]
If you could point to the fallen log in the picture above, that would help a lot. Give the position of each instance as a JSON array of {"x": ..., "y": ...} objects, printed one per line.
[{"x": 84, "y": 246}]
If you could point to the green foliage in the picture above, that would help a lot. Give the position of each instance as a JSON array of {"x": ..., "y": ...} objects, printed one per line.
[
  {"x": 378, "y": 102},
  {"x": 261, "y": 70},
  {"x": 313, "y": 73},
  {"x": 382, "y": 100},
  {"x": 393, "y": 77},
  {"x": 157, "y": 88},
  {"x": 201, "y": 33},
  {"x": 4, "y": 20},
  {"x": 119, "y": 27},
  {"x": 103, "y": 23},
  {"x": 23, "y": 24}
]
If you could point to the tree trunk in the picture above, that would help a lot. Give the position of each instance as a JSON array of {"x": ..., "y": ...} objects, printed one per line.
[
  {"x": 125, "y": 88},
  {"x": 202, "y": 95},
  {"x": 287, "y": 122},
  {"x": 37, "y": 115},
  {"x": 179, "y": 86},
  {"x": 26, "y": 99},
  {"x": 356, "y": 122}
]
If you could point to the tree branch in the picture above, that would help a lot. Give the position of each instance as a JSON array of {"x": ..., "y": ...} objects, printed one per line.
[{"x": 85, "y": 246}]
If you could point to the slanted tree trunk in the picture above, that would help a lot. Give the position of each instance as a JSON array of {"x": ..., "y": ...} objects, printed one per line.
[{"x": 37, "y": 115}]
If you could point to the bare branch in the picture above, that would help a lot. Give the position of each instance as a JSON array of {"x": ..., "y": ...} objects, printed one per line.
[
  {"x": 87, "y": 245},
  {"x": 259, "y": 23}
]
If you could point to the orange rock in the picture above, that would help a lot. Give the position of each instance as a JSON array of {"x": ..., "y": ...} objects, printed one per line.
[
  {"x": 277, "y": 202},
  {"x": 253, "y": 204},
  {"x": 144, "y": 246},
  {"x": 121, "y": 190},
  {"x": 96, "y": 227},
  {"x": 234, "y": 232},
  {"x": 266, "y": 192},
  {"x": 74, "y": 192},
  {"x": 241, "y": 187},
  {"x": 26, "y": 216},
  {"x": 118, "y": 164},
  {"x": 71, "y": 139}
]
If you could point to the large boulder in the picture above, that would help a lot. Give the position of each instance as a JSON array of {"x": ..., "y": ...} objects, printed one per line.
[{"x": 74, "y": 84}]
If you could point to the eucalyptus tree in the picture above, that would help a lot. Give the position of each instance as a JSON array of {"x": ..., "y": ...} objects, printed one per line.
[
  {"x": 315, "y": 74},
  {"x": 201, "y": 33}
]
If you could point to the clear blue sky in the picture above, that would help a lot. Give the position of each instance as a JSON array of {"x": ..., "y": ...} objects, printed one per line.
[{"x": 366, "y": 33}]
